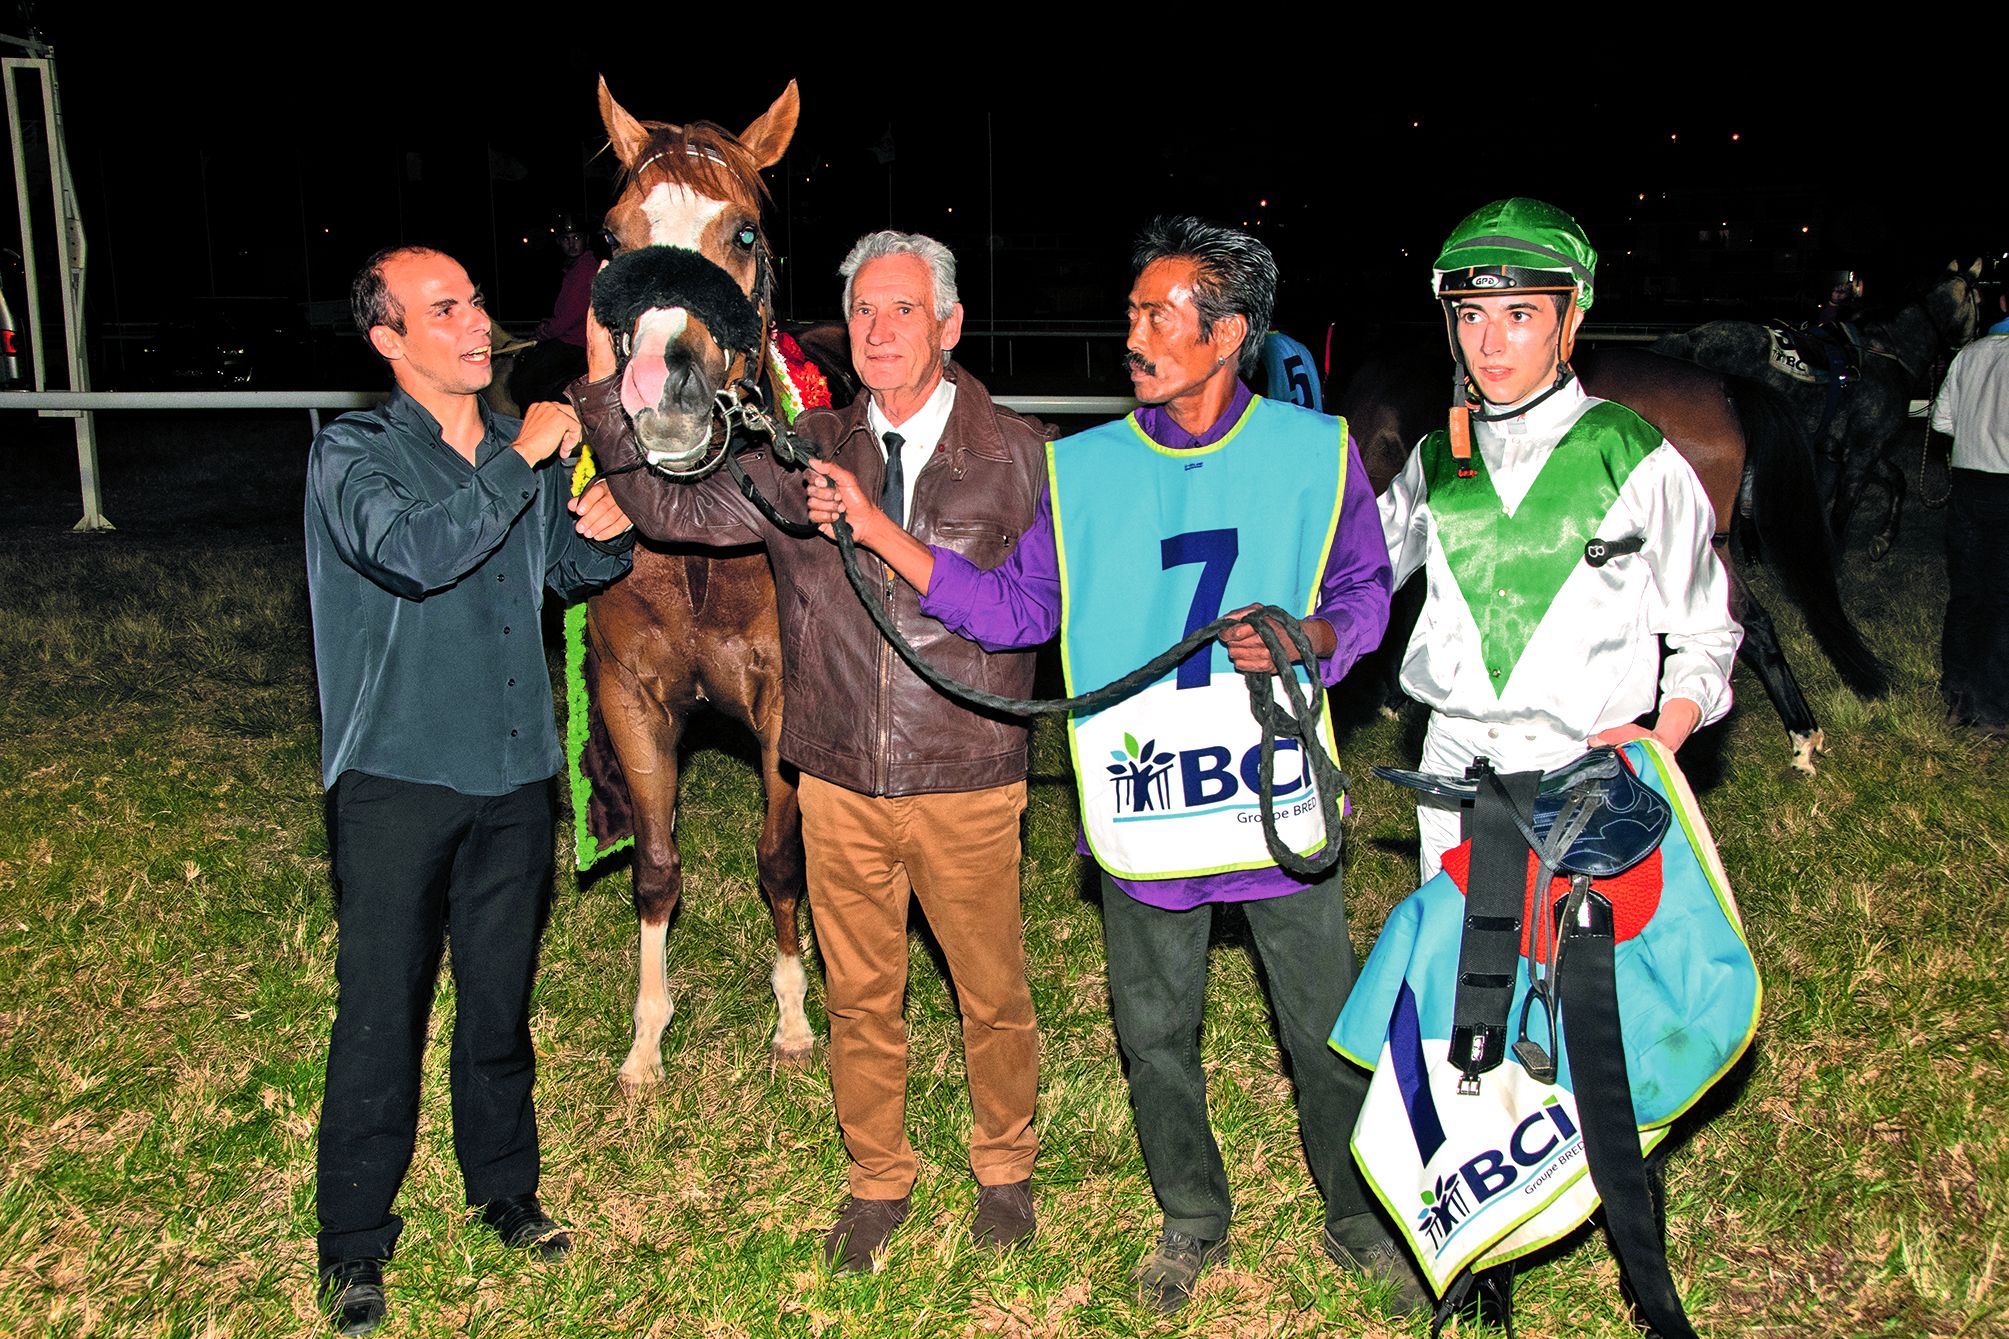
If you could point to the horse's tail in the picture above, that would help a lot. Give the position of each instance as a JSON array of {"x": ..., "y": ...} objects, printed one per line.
[{"x": 1791, "y": 532}]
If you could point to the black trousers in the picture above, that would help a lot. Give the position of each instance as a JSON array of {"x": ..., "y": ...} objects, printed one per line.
[
  {"x": 409, "y": 860},
  {"x": 1157, "y": 991},
  {"x": 1974, "y": 654}
]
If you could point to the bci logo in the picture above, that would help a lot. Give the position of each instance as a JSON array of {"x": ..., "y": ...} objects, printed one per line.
[
  {"x": 1485, "y": 1175},
  {"x": 1145, "y": 776}
]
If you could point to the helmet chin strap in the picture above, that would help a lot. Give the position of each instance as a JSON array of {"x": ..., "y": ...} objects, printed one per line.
[{"x": 1468, "y": 404}]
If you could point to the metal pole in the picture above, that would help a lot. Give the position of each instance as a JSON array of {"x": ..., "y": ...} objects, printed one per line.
[
  {"x": 208, "y": 231},
  {"x": 991, "y": 226},
  {"x": 72, "y": 252},
  {"x": 494, "y": 286},
  {"x": 306, "y": 236},
  {"x": 8, "y": 70}
]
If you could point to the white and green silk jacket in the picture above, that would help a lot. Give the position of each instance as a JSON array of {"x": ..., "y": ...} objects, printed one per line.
[{"x": 1518, "y": 629}]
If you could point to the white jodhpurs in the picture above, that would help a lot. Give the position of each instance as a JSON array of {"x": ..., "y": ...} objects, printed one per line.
[{"x": 1449, "y": 746}]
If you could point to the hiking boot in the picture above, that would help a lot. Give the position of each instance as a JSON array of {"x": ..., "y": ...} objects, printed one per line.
[
  {"x": 1166, "y": 1277},
  {"x": 1384, "y": 1264},
  {"x": 1004, "y": 1216},
  {"x": 856, "y": 1242}
]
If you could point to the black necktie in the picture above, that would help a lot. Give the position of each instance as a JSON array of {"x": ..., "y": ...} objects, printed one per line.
[{"x": 893, "y": 497}]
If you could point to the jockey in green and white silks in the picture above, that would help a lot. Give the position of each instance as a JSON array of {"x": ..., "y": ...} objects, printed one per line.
[
  {"x": 1526, "y": 648},
  {"x": 1168, "y": 776}
]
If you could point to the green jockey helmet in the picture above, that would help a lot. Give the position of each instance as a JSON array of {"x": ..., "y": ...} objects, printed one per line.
[
  {"x": 1511, "y": 246},
  {"x": 1516, "y": 245}
]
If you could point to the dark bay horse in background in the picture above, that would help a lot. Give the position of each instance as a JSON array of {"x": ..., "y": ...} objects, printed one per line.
[
  {"x": 1743, "y": 444},
  {"x": 1855, "y": 429},
  {"x": 695, "y": 626}
]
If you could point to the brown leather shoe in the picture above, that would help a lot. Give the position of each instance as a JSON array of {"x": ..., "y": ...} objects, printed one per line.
[
  {"x": 1166, "y": 1278},
  {"x": 856, "y": 1242},
  {"x": 1004, "y": 1216}
]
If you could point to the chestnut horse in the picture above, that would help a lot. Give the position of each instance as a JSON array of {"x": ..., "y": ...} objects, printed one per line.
[
  {"x": 692, "y": 626},
  {"x": 1743, "y": 444}
]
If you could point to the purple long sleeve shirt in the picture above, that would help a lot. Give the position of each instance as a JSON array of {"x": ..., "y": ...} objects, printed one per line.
[{"x": 1017, "y": 604}]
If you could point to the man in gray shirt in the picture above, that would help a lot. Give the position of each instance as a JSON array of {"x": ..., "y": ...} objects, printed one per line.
[{"x": 432, "y": 533}]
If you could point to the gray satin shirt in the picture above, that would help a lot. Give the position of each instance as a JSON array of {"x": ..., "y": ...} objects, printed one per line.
[{"x": 427, "y": 577}]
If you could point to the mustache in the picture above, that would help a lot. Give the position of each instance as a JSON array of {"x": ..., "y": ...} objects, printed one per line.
[{"x": 1137, "y": 362}]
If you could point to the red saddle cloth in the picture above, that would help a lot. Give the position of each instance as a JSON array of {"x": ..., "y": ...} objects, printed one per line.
[{"x": 1634, "y": 895}]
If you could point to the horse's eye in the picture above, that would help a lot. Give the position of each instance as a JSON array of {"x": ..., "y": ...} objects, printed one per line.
[
  {"x": 613, "y": 242},
  {"x": 747, "y": 237}
]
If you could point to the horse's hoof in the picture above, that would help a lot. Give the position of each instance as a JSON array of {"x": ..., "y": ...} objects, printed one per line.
[
  {"x": 1879, "y": 549},
  {"x": 631, "y": 1085},
  {"x": 793, "y": 1058},
  {"x": 1389, "y": 713},
  {"x": 1806, "y": 748}
]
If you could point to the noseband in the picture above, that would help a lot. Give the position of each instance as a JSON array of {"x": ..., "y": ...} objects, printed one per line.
[{"x": 659, "y": 277}]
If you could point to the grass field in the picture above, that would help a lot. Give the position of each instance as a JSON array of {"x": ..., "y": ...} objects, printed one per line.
[{"x": 166, "y": 986}]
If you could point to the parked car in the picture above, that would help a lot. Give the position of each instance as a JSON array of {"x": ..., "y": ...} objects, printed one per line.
[
  {"x": 230, "y": 343},
  {"x": 15, "y": 366}
]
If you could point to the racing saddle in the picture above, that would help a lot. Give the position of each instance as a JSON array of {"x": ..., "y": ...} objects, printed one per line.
[{"x": 1539, "y": 1013}]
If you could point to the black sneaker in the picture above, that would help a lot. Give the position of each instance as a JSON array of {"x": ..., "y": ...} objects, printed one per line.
[
  {"x": 351, "y": 1293},
  {"x": 521, "y": 1222}
]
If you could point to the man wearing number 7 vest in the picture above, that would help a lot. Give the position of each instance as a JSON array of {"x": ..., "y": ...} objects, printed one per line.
[
  {"x": 1561, "y": 536},
  {"x": 1207, "y": 500}
]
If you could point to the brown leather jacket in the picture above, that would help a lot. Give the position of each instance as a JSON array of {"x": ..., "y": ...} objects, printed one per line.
[{"x": 853, "y": 712}]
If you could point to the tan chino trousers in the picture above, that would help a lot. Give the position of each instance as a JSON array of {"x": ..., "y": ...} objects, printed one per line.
[{"x": 959, "y": 854}]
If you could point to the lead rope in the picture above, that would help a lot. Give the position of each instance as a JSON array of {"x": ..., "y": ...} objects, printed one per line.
[
  {"x": 1298, "y": 720},
  {"x": 1925, "y": 457}
]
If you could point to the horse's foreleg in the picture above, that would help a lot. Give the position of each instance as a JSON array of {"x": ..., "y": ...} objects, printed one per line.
[
  {"x": 783, "y": 880},
  {"x": 1891, "y": 479},
  {"x": 643, "y": 1066},
  {"x": 1761, "y": 651},
  {"x": 659, "y": 883},
  {"x": 645, "y": 734}
]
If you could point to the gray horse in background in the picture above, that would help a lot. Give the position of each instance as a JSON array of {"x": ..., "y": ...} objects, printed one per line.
[{"x": 1854, "y": 427}]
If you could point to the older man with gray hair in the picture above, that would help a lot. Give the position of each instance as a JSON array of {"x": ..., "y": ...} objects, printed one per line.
[{"x": 906, "y": 794}]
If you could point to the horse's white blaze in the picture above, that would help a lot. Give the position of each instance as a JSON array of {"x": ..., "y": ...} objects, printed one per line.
[
  {"x": 653, "y": 1008},
  {"x": 791, "y": 988},
  {"x": 678, "y": 215},
  {"x": 658, "y": 327}
]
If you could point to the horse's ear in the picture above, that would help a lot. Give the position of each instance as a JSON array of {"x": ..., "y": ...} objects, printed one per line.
[
  {"x": 767, "y": 139},
  {"x": 1974, "y": 270},
  {"x": 1953, "y": 266},
  {"x": 624, "y": 132}
]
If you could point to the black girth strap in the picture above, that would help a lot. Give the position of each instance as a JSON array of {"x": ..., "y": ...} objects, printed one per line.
[
  {"x": 1604, "y": 1110},
  {"x": 1494, "y": 897}
]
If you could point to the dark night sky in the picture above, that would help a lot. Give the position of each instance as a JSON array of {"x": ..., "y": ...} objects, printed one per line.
[{"x": 219, "y": 156}]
